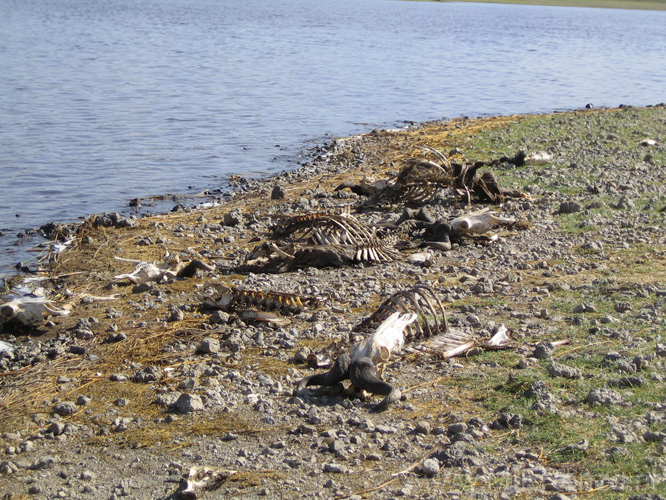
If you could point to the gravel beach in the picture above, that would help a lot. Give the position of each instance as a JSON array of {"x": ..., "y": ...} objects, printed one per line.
[{"x": 137, "y": 383}]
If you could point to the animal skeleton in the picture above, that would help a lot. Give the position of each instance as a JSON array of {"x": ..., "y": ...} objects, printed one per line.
[
  {"x": 171, "y": 268},
  {"x": 326, "y": 229},
  {"x": 204, "y": 478},
  {"x": 360, "y": 366},
  {"x": 420, "y": 180},
  {"x": 331, "y": 240},
  {"x": 29, "y": 310},
  {"x": 367, "y": 358},
  {"x": 364, "y": 365},
  {"x": 478, "y": 222},
  {"x": 236, "y": 299}
]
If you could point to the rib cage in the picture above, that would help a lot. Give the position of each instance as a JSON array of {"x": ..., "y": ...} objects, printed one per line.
[
  {"x": 327, "y": 229},
  {"x": 422, "y": 300}
]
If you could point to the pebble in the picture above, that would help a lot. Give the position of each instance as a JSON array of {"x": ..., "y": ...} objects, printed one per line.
[
  {"x": 187, "y": 403},
  {"x": 430, "y": 467},
  {"x": 543, "y": 350},
  {"x": 65, "y": 408}
]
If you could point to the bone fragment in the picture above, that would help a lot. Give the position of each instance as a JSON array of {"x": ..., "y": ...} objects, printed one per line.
[
  {"x": 478, "y": 222},
  {"x": 388, "y": 338},
  {"x": 29, "y": 310},
  {"x": 204, "y": 478}
]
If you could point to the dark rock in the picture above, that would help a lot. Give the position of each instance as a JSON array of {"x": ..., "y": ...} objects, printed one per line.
[
  {"x": 148, "y": 374},
  {"x": 569, "y": 207},
  {"x": 64, "y": 408}
]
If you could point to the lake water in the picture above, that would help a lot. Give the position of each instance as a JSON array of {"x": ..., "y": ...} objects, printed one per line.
[{"x": 108, "y": 100}]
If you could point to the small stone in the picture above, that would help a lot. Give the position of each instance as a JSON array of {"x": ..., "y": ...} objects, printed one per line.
[
  {"x": 87, "y": 475},
  {"x": 56, "y": 428},
  {"x": 34, "y": 489},
  {"x": 8, "y": 468},
  {"x": 65, "y": 408},
  {"x": 175, "y": 315},
  {"x": 544, "y": 350},
  {"x": 121, "y": 402},
  {"x": 188, "y": 403},
  {"x": 430, "y": 467},
  {"x": 209, "y": 346},
  {"x": 457, "y": 428},
  {"x": 83, "y": 400},
  {"x": 148, "y": 374},
  {"x": 334, "y": 468},
  {"x": 233, "y": 218},
  {"x": 423, "y": 427},
  {"x": 45, "y": 462},
  {"x": 219, "y": 318},
  {"x": 277, "y": 193}
]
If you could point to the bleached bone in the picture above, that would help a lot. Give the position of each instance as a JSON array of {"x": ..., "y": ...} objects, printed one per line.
[
  {"x": 538, "y": 158},
  {"x": 204, "y": 478},
  {"x": 388, "y": 338},
  {"x": 500, "y": 337},
  {"x": 478, "y": 222},
  {"x": 362, "y": 364},
  {"x": 145, "y": 272},
  {"x": 29, "y": 310},
  {"x": 420, "y": 258}
]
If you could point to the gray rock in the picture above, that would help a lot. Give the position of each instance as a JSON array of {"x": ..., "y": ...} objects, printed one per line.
[
  {"x": 175, "y": 315},
  {"x": 148, "y": 374},
  {"x": 233, "y": 218},
  {"x": 56, "y": 428},
  {"x": 430, "y": 467},
  {"x": 603, "y": 397},
  {"x": 83, "y": 400},
  {"x": 277, "y": 193},
  {"x": 8, "y": 468},
  {"x": 558, "y": 370},
  {"x": 45, "y": 462},
  {"x": 219, "y": 318},
  {"x": 457, "y": 428},
  {"x": 584, "y": 308},
  {"x": 87, "y": 475},
  {"x": 65, "y": 408},
  {"x": 422, "y": 427},
  {"x": 569, "y": 207},
  {"x": 335, "y": 468},
  {"x": 626, "y": 382},
  {"x": 544, "y": 350},
  {"x": 188, "y": 403},
  {"x": 209, "y": 346}
]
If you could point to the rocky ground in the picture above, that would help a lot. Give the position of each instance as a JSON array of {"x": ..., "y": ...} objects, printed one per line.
[{"x": 138, "y": 384}]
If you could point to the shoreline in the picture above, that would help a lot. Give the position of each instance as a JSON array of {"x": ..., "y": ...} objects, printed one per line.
[{"x": 586, "y": 264}]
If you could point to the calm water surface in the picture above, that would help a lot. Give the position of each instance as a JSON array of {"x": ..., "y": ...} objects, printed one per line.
[{"x": 108, "y": 100}]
